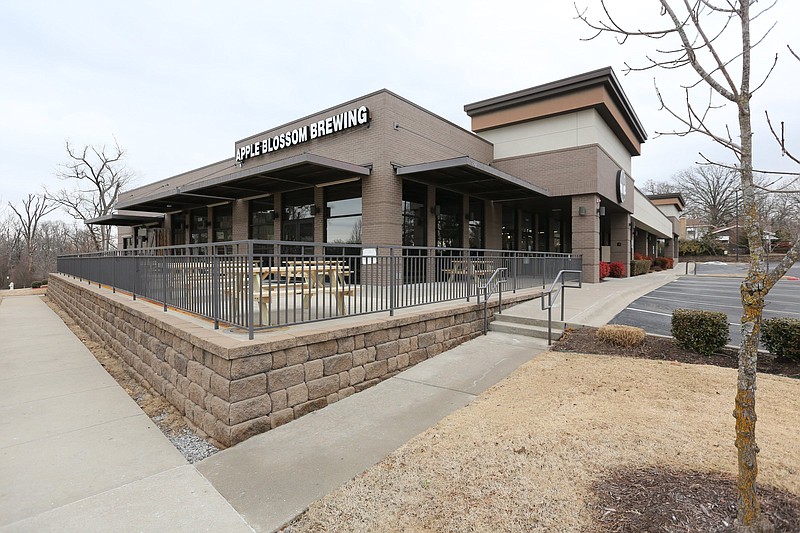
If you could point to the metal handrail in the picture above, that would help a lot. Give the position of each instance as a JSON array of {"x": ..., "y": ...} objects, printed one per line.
[
  {"x": 492, "y": 285},
  {"x": 687, "y": 267},
  {"x": 551, "y": 298}
]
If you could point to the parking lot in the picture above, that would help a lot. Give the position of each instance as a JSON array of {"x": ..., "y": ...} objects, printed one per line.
[{"x": 715, "y": 288}]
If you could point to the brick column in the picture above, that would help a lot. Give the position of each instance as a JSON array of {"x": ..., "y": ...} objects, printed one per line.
[
  {"x": 670, "y": 249},
  {"x": 621, "y": 240},
  {"x": 493, "y": 220},
  {"x": 241, "y": 222},
  {"x": 586, "y": 235}
]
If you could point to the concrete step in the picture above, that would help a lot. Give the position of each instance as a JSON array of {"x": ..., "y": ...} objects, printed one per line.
[{"x": 524, "y": 330}]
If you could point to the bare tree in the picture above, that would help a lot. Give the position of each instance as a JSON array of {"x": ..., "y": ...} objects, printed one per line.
[
  {"x": 710, "y": 193},
  {"x": 652, "y": 186},
  {"x": 690, "y": 36},
  {"x": 100, "y": 173},
  {"x": 34, "y": 208}
]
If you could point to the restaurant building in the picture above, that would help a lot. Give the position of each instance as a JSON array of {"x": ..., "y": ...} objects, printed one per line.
[{"x": 544, "y": 169}]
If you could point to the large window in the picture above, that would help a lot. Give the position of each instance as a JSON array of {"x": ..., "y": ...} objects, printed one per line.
[
  {"x": 262, "y": 219},
  {"x": 198, "y": 226},
  {"x": 449, "y": 217},
  {"x": 178, "y": 224},
  {"x": 343, "y": 213},
  {"x": 476, "y": 237},
  {"x": 509, "y": 229},
  {"x": 414, "y": 204},
  {"x": 223, "y": 223},
  {"x": 526, "y": 231},
  {"x": 297, "y": 223}
]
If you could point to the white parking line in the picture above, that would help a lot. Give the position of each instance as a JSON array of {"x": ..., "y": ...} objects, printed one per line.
[
  {"x": 666, "y": 314},
  {"x": 739, "y": 308}
]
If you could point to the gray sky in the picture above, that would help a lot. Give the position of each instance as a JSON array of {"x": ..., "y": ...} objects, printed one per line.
[{"x": 177, "y": 82}]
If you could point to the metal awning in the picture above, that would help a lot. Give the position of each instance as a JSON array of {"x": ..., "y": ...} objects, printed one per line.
[
  {"x": 468, "y": 176},
  {"x": 296, "y": 172},
  {"x": 127, "y": 218}
]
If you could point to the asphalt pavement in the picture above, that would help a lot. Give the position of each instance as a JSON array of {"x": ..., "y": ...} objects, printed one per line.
[{"x": 715, "y": 288}]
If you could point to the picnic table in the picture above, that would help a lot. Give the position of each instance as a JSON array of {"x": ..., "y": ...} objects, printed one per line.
[
  {"x": 307, "y": 278},
  {"x": 477, "y": 269}
]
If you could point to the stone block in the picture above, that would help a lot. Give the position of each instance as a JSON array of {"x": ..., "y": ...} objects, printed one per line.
[
  {"x": 197, "y": 394},
  {"x": 219, "y": 408},
  {"x": 402, "y": 361},
  {"x": 393, "y": 333},
  {"x": 279, "y": 400},
  {"x": 313, "y": 405},
  {"x": 409, "y": 330},
  {"x": 254, "y": 364},
  {"x": 284, "y": 378},
  {"x": 417, "y": 356},
  {"x": 376, "y": 337},
  {"x": 296, "y": 355},
  {"x": 278, "y": 359},
  {"x": 345, "y": 344},
  {"x": 337, "y": 364},
  {"x": 433, "y": 350},
  {"x": 391, "y": 364},
  {"x": 357, "y": 375},
  {"x": 375, "y": 369},
  {"x": 297, "y": 395},
  {"x": 319, "y": 350},
  {"x": 321, "y": 387},
  {"x": 344, "y": 379},
  {"x": 249, "y": 387},
  {"x": 386, "y": 350},
  {"x": 426, "y": 339},
  {"x": 250, "y": 408},
  {"x": 332, "y": 398},
  {"x": 220, "y": 386},
  {"x": 314, "y": 369},
  {"x": 358, "y": 342},
  {"x": 281, "y": 417},
  {"x": 245, "y": 430},
  {"x": 345, "y": 392}
]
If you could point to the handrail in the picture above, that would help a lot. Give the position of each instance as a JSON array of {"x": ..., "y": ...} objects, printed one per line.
[
  {"x": 490, "y": 287},
  {"x": 551, "y": 298},
  {"x": 687, "y": 267}
]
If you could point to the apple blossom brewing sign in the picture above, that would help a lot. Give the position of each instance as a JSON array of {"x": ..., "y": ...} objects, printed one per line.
[{"x": 320, "y": 128}]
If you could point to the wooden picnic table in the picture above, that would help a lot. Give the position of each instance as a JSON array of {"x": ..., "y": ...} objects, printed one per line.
[{"x": 474, "y": 268}]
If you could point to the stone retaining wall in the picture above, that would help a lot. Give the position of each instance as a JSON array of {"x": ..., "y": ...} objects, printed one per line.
[{"x": 230, "y": 389}]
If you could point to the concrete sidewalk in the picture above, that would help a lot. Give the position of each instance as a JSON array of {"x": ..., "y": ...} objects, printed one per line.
[
  {"x": 76, "y": 452},
  {"x": 596, "y": 303}
]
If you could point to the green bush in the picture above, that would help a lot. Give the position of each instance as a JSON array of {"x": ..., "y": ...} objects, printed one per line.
[
  {"x": 703, "y": 332},
  {"x": 36, "y": 284},
  {"x": 781, "y": 336},
  {"x": 640, "y": 266}
]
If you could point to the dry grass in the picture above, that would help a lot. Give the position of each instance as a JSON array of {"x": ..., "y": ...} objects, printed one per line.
[
  {"x": 620, "y": 335},
  {"x": 525, "y": 455}
]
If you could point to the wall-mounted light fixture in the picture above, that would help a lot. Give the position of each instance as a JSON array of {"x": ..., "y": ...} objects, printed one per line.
[
  {"x": 582, "y": 211},
  {"x": 601, "y": 210},
  {"x": 436, "y": 210},
  {"x": 314, "y": 210}
]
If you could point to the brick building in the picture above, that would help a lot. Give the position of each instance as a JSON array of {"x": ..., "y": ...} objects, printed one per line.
[{"x": 543, "y": 169}]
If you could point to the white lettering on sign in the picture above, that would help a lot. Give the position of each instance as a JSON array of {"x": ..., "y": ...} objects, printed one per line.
[{"x": 315, "y": 130}]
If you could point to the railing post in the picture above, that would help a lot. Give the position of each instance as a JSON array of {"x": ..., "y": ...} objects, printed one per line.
[
  {"x": 550, "y": 319},
  {"x": 164, "y": 278},
  {"x": 250, "y": 314},
  {"x": 392, "y": 276},
  {"x": 469, "y": 276},
  {"x": 135, "y": 273},
  {"x": 114, "y": 273},
  {"x": 215, "y": 289}
]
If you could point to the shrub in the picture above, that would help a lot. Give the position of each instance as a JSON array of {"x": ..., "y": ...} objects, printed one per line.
[
  {"x": 663, "y": 262},
  {"x": 657, "y": 268},
  {"x": 620, "y": 335},
  {"x": 639, "y": 267},
  {"x": 36, "y": 284},
  {"x": 781, "y": 336},
  {"x": 703, "y": 332},
  {"x": 605, "y": 269},
  {"x": 617, "y": 270}
]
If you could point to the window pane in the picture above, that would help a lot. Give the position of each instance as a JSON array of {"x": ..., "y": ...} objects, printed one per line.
[{"x": 344, "y": 230}]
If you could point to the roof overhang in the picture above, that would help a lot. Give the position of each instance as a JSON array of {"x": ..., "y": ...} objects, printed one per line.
[
  {"x": 468, "y": 176},
  {"x": 127, "y": 218},
  {"x": 296, "y": 172}
]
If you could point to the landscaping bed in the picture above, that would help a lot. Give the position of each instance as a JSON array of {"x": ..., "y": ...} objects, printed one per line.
[{"x": 579, "y": 442}]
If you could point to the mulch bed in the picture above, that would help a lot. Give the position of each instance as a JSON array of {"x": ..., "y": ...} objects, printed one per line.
[
  {"x": 669, "y": 501},
  {"x": 583, "y": 340}
]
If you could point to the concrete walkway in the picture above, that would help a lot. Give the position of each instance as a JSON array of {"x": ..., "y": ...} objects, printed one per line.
[{"x": 76, "y": 452}]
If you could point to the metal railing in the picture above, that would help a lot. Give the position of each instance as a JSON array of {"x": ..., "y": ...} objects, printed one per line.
[
  {"x": 559, "y": 291},
  {"x": 263, "y": 284},
  {"x": 493, "y": 285}
]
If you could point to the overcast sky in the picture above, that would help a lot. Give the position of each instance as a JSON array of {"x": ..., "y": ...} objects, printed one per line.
[{"x": 177, "y": 82}]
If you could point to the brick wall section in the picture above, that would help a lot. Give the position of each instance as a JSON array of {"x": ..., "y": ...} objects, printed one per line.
[
  {"x": 229, "y": 389},
  {"x": 621, "y": 240},
  {"x": 586, "y": 235}
]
